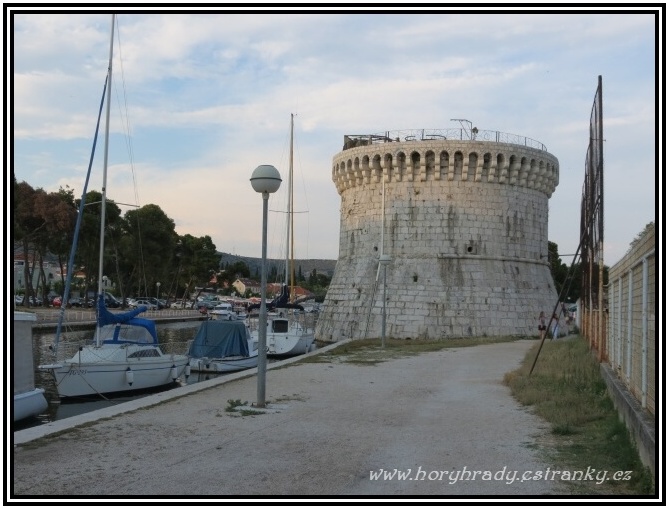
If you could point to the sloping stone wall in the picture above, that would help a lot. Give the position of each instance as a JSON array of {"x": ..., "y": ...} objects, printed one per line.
[{"x": 465, "y": 224}]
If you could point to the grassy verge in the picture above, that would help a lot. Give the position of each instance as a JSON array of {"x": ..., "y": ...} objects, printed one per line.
[
  {"x": 370, "y": 352},
  {"x": 566, "y": 389}
]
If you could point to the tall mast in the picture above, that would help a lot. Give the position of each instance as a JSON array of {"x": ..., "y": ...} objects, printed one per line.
[
  {"x": 292, "y": 215},
  {"x": 289, "y": 278},
  {"x": 103, "y": 202}
]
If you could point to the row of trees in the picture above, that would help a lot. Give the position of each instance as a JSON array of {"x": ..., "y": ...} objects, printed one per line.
[{"x": 142, "y": 247}]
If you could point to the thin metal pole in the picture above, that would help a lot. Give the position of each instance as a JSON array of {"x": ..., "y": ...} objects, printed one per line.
[
  {"x": 383, "y": 318},
  {"x": 291, "y": 218},
  {"x": 262, "y": 328},
  {"x": 103, "y": 203}
]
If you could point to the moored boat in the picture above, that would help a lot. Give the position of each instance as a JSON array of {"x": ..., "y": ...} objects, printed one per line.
[
  {"x": 124, "y": 354},
  {"x": 223, "y": 347}
]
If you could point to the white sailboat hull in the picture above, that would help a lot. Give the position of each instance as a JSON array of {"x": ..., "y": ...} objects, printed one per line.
[
  {"x": 29, "y": 404},
  {"x": 109, "y": 369},
  {"x": 287, "y": 345},
  {"x": 224, "y": 365},
  {"x": 286, "y": 340}
]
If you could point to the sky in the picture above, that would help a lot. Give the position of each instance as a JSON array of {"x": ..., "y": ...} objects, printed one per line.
[{"x": 200, "y": 99}]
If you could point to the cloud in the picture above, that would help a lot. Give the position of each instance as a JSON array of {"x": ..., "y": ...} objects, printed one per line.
[{"x": 208, "y": 97}]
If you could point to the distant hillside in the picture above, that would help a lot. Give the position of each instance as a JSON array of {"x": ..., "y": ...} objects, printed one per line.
[{"x": 323, "y": 266}]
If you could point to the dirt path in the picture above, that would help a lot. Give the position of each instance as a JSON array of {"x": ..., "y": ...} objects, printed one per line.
[{"x": 334, "y": 424}]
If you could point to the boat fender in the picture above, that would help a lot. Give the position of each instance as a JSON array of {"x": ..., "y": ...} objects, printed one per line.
[
  {"x": 129, "y": 376},
  {"x": 187, "y": 370},
  {"x": 173, "y": 372}
]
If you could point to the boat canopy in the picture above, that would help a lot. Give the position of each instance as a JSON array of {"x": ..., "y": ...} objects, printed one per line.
[
  {"x": 125, "y": 327},
  {"x": 217, "y": 339}
]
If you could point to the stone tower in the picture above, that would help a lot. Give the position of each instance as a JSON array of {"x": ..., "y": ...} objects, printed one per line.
[{"x": 464, "y": 216}]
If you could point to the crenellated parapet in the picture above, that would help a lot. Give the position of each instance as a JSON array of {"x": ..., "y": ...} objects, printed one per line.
[{"x": 486, "y": 162}]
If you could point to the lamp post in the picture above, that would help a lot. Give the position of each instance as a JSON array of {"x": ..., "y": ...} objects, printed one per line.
[
  {"x": 265, "y": 179},
  {"x": 158, "y": 290},
  {"x": 384, "y": 260}
]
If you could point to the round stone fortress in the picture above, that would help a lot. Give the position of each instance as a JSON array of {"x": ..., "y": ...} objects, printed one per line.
[{"x": 462, "y": 216}]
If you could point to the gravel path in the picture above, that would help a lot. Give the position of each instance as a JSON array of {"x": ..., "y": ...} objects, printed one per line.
[{"x": 331, "y": 424}]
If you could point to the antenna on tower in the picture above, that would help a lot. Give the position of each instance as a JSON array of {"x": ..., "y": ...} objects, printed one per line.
[{"x": 467, "y": 129}]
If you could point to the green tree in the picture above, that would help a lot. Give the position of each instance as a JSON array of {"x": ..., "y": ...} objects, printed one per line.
[
  {"x": 62, "y": 233},
  {"x": 87, "y": 256},
  {"x": 318, "y": 285},
  {"x": 27, "y": 225},
  {"x": 198, "y": 259},
  {"x": 145, "y": 249},
  {"x": 58, "y": 215},
  {"x": 567, "y": 279}
]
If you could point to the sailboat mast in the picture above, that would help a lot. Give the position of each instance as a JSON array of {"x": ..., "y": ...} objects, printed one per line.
[
  {"x": 286, "y": 278},
  {"x": 291, "y": 216},
  {"x": 103, "y": 202}
]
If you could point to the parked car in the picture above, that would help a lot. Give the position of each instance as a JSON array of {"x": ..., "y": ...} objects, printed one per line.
[
  {"x": 180, "y": 304},
  {"x": 144, "y": 302},
  {"x": 111, "y": 301},
  {"x": 152, "y": 300},
  {"x": 35, "y": 301},
  {"x": 159, "y": 304},
  {"x": 206, "y": 304},
  {"x": 75, "y": 302}
]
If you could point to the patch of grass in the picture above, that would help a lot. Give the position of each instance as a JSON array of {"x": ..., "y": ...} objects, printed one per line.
[
  {"x": 567, "y": 390},
  {"x": 368, "y": 352},
  {"x": 234, "y": 403}
]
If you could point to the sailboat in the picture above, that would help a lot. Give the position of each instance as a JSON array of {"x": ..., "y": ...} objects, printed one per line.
[
  {"x": 223, "y": 347},
  {"x": 125, "y": 355},
  {"x": 288, "y": 334}
]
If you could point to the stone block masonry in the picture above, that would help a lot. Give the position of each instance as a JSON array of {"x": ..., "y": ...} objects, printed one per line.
[{"x": 465, "y": 223}]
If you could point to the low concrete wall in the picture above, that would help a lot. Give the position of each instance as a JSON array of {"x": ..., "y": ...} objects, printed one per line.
[{"x": 639, "y": 422}]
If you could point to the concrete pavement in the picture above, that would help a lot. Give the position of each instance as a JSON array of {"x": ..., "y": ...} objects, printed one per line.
[{"x": 442, "y": 420}]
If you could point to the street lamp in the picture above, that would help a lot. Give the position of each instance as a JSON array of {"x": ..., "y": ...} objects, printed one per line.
[
  {"x": 265, "y": 179},
  {"x": 158, "y": 290},
  {"x": 384, "y": 260}
]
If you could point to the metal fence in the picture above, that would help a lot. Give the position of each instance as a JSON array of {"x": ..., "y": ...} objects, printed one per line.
[
  {"x": 631, "y": 327},
  {"x": 404, "y": 135}
]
